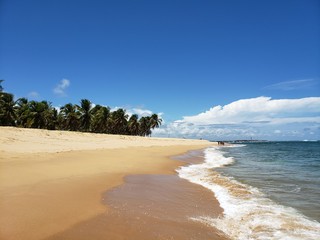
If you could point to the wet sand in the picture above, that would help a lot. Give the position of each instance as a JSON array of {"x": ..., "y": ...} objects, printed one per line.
[
  {"x": 50, "y": 189},
  {"x": 151, "y": 207}
]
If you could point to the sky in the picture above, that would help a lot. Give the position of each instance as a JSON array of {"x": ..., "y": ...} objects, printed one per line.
[{"x": 213, "y": 69}]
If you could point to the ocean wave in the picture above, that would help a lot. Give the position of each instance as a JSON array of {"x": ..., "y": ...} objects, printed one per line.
[
  {"x": 248, "y": 213},
  {"x": 296, "y": 189}
]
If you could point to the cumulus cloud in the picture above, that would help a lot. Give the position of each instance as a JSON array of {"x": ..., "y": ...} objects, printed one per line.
[
  {"x": 61, "y": 88},
  {"x": 259, "y": 117},
  {"x": 258, "y": 110}
]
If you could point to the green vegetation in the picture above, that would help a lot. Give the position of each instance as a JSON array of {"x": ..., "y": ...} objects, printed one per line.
[{"x": 71, "y": 117}]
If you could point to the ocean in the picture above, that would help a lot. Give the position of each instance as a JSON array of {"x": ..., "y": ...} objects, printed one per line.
[{"x": 268, "y": 190}]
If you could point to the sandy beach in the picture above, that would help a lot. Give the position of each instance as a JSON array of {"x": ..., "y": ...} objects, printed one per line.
[{"x": 64, "y": 185}]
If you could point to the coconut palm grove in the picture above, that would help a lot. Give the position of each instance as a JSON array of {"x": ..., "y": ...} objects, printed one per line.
[{"x": 73, "y": 117}]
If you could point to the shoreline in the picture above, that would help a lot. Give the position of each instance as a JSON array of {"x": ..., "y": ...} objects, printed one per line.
[
  {"x": 159, "y": 210},
  {"x": 249, "y": 213},
  {"x": 61, "y": 187},
  {"x": 153, "y": 206}
]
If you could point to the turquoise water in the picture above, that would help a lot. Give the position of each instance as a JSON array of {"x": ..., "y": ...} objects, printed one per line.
[
  {"x": 268, "y": 190},
  {"x": 287, "y": 172}
]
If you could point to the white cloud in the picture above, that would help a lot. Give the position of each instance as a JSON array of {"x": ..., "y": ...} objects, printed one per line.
[
  {"x": 141, "y": 112},
  {"x": 60, "y": 89},
  {"x": 258, "y": 110},
  {"x": 33, "y": 95},
  {"x": 261, "y": 118}
]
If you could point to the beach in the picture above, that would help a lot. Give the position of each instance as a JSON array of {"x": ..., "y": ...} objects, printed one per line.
[{"x": 68, "y": 185}]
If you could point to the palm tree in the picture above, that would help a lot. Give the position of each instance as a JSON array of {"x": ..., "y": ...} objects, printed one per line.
[
  {"x": 145, "y": 129},
  {"x": 100, "y": 119},
  {"x": 39, "y": 114},
  {"x": 53, "y": 122},
  {"x": 85, "y": 114},
  {"x": 133, "y": 125},
  {"x": 69, "y": 117},
  {"x": 7, "y": 109},
  {"x": 155, "y": 121},
  {"x": 22, "y": 112},
  {"x": 118, "y": 122}
]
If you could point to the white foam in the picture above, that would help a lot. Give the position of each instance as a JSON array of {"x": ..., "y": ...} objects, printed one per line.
[{"x": 248, "y": 214}]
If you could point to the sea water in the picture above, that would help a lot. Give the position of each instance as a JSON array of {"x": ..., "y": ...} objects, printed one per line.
[{"x": 268, "y": 190}]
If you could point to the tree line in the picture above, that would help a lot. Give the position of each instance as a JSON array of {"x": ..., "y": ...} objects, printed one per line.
[{"x": 72, "y": 117}]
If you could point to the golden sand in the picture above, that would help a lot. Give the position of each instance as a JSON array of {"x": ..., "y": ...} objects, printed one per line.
[{"x": 52, "y": 180}]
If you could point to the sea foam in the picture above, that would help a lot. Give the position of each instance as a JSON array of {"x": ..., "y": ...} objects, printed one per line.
[{"x": 248, "y": 213}]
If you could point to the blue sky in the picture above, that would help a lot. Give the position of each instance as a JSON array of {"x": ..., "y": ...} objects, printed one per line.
[{"x": 176, "y": 58}]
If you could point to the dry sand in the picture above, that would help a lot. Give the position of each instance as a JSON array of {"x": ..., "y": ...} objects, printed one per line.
[{"x": 50, "y": 181}]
